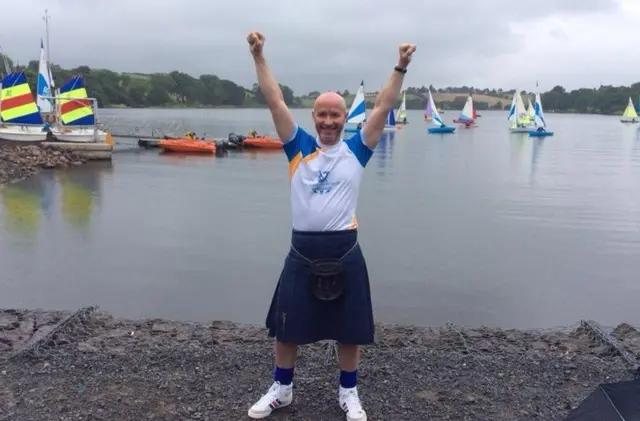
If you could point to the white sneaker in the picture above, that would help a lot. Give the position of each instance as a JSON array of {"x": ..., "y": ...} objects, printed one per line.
[
  {"x": 350, "y": 404},
  {"x": 278, "y": 396}
]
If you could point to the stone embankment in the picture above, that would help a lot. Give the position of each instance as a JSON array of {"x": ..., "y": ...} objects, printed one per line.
[{"x": 19, "y": 162}]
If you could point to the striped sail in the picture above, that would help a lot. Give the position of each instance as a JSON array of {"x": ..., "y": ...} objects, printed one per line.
[
  {"x": 539, "y": 116},
  {"x": 75, "y": 110},
  {"x": 391, "y": 118},
  {"x": 17, "y": 105},
  {"x": 358, "y": 111},
  {"x": 512, "y": 108}
]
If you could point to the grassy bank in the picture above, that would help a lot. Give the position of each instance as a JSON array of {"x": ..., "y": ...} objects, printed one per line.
[{"x": 56, "y": 365}]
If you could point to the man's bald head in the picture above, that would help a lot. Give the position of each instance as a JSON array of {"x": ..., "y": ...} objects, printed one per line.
[
  {"x": 329, "y": 116},
  {"x": 330, "y": 100}
]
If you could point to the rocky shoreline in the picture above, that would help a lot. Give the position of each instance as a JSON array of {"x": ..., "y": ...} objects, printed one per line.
[
  {"x": 18, "y": 162},
  {"x": 91, "y": 365}
]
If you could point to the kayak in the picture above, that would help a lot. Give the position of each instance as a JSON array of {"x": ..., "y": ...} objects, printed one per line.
[
  {"x": 262, "y": 142},
  {"x": 187, "y": 145}
]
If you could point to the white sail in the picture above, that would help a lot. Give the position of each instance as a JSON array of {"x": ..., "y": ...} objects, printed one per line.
[
  {"x": 402, "y": 111},
  {"x": 435, "y": 115},
  {"x": 467, "y": 111},
  {"x": 43, "y": 85},
  {"x": 358, "y": 111},
  {"x": 539, "y": 114},
  {"x": 521, "y": 110},
  {"x": 531, "y": 111}
]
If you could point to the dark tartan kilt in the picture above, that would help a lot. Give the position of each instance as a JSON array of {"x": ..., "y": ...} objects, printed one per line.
[{"x": 297, "y": 316}]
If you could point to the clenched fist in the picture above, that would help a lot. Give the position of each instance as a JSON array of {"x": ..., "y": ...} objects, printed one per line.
[
  {"x": 406, "y": 51},
  {"x": 256, "y": 42}
]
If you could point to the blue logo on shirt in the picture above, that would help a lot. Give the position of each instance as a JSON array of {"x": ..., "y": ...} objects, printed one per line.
[{"x": 322, "y": 186}]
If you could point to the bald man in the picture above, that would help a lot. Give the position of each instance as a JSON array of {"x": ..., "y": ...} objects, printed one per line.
[{"x": 323, "y": 290}]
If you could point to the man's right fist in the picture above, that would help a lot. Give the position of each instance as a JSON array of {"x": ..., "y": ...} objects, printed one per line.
[{"x": 256, "y": 42}]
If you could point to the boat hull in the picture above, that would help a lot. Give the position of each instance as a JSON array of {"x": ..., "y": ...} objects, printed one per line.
[
  {"x": 544, "y": 133},
  {"x": 438, "y": 130},
  {"x": 23, "y": 134},
  {"x": 187, "y": 146},
  {"x": 262, "y": 143},
  {"x": 80, "y": 135},
  {"x": 629, "y": 121}
]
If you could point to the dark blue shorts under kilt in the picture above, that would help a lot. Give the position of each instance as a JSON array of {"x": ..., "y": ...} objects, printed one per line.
[{"x": 297, "y": 316}]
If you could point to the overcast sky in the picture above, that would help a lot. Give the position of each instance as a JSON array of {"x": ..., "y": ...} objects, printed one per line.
[{"x": 333, "y": 44}]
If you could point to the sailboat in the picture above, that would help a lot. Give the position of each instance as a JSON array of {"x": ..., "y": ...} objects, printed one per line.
[
  {"x": 402, "y": 111},
  {"x": 21, "y": 120},
  {"x": 539, "y": 120},
  {"x": 76, "y": 115},
  {"x": 358, "y": 112},
  {"x": 468, "y": 114},
  {"x": 391, "y": 122},
  {"x": 437, "y": 120},
  {"x": 428, "y": 111},
  {"x": 519, "y": 121},
  {"x": 531, "y": 111},
  {"x": 630, "y": 115}
]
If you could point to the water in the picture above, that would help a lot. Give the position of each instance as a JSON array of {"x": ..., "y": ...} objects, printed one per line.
[{"x": 479, "y": 227}]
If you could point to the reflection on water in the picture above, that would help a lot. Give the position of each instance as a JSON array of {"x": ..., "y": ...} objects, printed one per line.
[
  {"x": 453, "y": 227},
  {"x": 22, "y": 206},
  {"x": 536, "y": 147},
  {"x": 75, "y": 193},
  {"x": 47, "y": 178},
  {"x": 384, "y": 151},
  {"x": 517, "y": 144},
  {"x": 81, "y": 191}
]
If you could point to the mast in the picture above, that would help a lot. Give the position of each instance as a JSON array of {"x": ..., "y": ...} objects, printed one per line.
[{"x": 46, "y": 25}]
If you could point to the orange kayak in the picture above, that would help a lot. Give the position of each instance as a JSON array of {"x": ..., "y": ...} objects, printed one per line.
[
  {"x": 262, "y": 142},
  {"x": 187, "y": 145}
]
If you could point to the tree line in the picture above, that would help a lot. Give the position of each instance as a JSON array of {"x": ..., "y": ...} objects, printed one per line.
[{"x": 178, "y": 89}]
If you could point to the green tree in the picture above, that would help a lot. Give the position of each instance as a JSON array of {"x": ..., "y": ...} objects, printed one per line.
[{"x": 181, "y": 89}]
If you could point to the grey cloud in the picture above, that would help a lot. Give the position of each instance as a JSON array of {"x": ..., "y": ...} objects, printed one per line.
[{"x": 332, "y": 44}]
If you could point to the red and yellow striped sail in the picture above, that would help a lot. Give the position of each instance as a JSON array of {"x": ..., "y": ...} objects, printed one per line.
[
  {"x": 75, "y": 110},
  {"x": 17, "y": 103}
]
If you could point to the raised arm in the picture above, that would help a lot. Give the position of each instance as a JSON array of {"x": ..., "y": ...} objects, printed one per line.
[
  {"x": 387, "y": 98},
  {"x": 271, "y": 91}
]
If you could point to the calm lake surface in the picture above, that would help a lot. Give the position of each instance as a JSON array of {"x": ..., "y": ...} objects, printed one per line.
[{"x": 478, "y": 227}]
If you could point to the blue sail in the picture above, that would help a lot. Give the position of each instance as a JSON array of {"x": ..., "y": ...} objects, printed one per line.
[{"x": 391, "y": 118}]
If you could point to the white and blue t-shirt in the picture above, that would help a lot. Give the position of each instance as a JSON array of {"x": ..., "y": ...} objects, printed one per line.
[{"x": 325, "y": 181}]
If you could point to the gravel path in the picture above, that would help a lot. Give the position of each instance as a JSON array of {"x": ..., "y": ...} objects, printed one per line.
[{"x": 90, "y": 366}]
